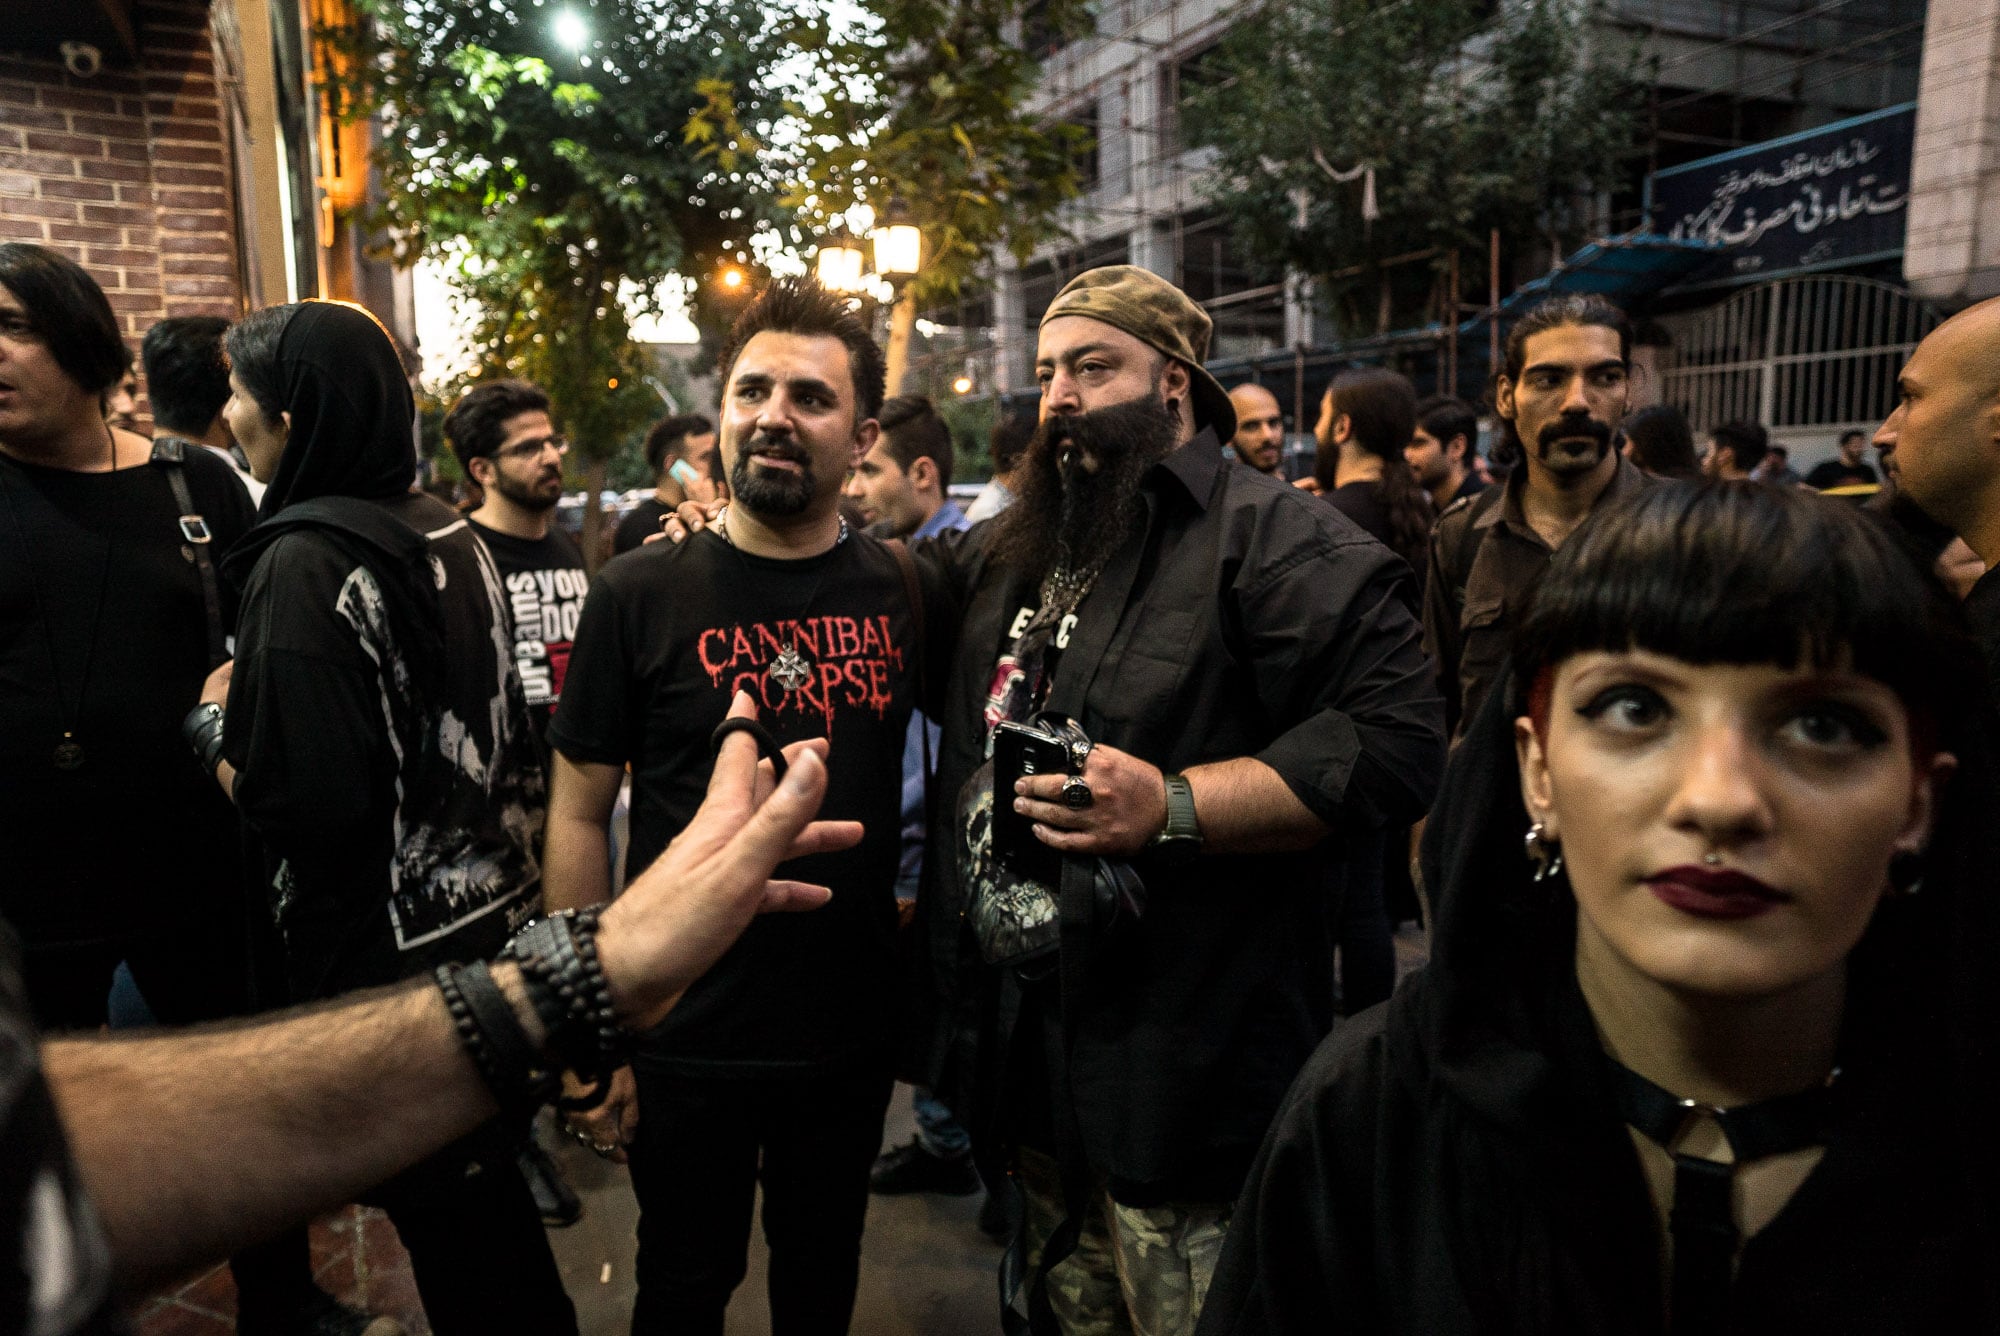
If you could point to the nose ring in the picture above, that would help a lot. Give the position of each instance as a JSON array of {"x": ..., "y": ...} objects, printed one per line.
[{"x": 1711, "y": 859}]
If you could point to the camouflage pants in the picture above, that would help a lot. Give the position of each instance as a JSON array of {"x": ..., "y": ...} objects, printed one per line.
[{"x": 1136, "y": 1271}]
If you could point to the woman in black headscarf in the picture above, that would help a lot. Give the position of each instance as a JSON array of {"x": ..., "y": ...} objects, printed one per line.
[
  {"x": 383, "y": 758},
  {"x": 1716, "y": 1052}
]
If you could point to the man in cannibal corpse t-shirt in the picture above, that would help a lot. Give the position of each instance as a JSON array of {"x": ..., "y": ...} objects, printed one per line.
[
  {"x": 775, "y": 1067},
  {"x": 506, "y": 442}
]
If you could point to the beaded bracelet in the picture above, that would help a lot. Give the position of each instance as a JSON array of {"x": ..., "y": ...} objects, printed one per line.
[{"x": 567, "y": 987}]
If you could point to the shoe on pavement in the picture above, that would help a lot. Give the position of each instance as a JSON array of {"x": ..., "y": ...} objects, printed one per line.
[
  {"x": 1000, "y": 1213},
  {"x": 554, "y": 1197},
  {"x": 911, "y": 1168}
]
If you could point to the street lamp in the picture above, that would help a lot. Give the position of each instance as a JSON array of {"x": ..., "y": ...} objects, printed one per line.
[
  {"x": 571, "y": 31},
  {"x": 899, "y": 246},
  {"x": 840, "y": 263}
]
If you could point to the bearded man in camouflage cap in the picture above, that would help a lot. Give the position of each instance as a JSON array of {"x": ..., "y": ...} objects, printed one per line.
[{"x": 1243, "y": 660}]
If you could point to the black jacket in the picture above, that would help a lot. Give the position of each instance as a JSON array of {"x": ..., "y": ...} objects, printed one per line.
[
  {"x": 1451, "y": 1162},
  {"x": 1259, "y": 622}
]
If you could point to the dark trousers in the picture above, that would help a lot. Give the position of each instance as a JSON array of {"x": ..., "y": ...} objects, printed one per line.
[
  {"x": 477, "y": 1248},
  {"x": 704, "y": 1143},
  {"x": 1367, "y": 948}
]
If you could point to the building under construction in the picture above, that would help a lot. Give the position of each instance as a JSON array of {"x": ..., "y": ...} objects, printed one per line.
[{"x": 1797, "y": 323}]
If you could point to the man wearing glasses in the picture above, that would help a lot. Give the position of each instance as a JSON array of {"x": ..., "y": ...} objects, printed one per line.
[{"x": 504, "y": 441}]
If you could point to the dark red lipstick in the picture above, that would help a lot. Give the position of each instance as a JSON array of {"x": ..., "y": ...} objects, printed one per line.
[{"x": 1715, "y": 893}]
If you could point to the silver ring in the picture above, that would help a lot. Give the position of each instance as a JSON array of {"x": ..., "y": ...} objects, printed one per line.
[
  {"x": 1076, "y": 794},
  {"x": 1711, "y": 860}
]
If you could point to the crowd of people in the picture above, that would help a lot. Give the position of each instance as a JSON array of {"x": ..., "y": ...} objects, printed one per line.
[{"x": 1086, "y": 809}]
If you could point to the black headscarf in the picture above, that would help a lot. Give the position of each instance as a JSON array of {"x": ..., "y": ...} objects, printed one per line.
[{"x": 350, "y": 445}]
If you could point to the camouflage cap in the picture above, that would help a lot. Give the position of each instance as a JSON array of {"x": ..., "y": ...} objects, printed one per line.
[{"x": 1159, "y": 315}]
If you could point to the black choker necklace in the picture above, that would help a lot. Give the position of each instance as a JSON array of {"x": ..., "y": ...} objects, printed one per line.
[
  {"x": 790, "y": 670},
  {"x": 1702, "y": 1220}
]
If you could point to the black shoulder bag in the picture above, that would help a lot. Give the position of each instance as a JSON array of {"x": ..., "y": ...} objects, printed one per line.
[{"x": 170, "y": 453}]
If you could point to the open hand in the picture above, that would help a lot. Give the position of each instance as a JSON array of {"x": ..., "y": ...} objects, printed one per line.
[{"x": 679, "y": 916}]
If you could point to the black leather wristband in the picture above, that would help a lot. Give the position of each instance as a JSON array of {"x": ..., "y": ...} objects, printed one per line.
[
  {"x": 202, "y": 730},
  {"x": 499, "y": 1047}
]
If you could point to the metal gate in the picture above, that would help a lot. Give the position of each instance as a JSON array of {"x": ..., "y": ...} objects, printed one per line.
[{"x": 1800, "y": 352}]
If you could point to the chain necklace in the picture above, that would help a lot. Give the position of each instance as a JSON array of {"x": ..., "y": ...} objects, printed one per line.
[
  {"x": 790, "y": 670},
  {"x": 68, "y": 754}
]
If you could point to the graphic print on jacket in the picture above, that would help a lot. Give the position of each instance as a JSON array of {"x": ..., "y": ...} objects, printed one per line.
[{"x": 469, "y": 797}]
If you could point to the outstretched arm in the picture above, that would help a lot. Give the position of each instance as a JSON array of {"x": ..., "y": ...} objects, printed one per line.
[{"x": 197, "y": 1143}]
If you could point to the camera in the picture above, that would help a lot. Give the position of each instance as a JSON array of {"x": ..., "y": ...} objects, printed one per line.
[
  {"x": 1050, "y": 744},
  {"x": 81, "y": 59}
]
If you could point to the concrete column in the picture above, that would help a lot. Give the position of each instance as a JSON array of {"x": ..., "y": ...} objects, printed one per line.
[
  {"x": 1013, "y": 357},
  {"x": 1952, "y": 248}
]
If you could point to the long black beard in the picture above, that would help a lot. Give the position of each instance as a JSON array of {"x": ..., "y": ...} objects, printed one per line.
[{"x": 1078, "y": 494}]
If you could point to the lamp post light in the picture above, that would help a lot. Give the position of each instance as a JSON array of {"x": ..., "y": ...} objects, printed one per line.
[
  {"x": 899, "y": 255},
  {"x": 571, "y": 31},
  {"x": 899, "y": 246},
  {"x": 840, "y": 263}
]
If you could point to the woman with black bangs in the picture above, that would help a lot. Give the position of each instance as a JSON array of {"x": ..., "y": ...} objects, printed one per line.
[{"x": 1706, "y": 1043}]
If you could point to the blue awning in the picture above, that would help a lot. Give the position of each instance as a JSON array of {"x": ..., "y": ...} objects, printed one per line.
[{"x": 1623, "y": 269}]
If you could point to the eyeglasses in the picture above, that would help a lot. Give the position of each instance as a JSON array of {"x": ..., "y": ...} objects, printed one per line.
[
  {"x": 17, "y": 329},
  {"x": 533, "y": 449}
]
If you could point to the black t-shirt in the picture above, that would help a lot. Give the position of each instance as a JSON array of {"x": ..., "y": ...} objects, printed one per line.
[
  {"x": 398, "y": 834},
  {"x": 545, "y": 582},
  {"x": 642, "y": 523},
  {"x": 670, "y": 634},
  {"x": 1362, "y": 503},
  {"x": 1839, "y": 473},
  {"x": 136, "y": 838}
]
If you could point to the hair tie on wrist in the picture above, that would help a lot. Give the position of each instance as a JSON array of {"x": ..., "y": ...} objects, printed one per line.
[{"x": 767, "y": 746}]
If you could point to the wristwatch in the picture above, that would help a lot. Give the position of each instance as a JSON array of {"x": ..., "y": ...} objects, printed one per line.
[{"x": 1182, "y": 833}]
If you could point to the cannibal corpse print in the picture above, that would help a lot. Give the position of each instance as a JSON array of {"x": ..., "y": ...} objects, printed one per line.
[
  {"x": 813, "y": 666},
  {"x": 669, "y": 636}
]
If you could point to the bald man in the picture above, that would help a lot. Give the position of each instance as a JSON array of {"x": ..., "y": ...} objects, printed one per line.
[
  {"x": 1260, "y": 428},
  {"x": 1945, "y": 435}
]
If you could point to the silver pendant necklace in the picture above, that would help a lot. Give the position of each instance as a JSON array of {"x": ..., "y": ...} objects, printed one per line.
[{"x": 789, "y": 670}]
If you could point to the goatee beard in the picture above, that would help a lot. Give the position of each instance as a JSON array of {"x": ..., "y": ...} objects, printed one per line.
[
  {"x": 1079, "y": 492},
  {"x": 1568, "y": 459},
  {"x": 772, "y": 492}
]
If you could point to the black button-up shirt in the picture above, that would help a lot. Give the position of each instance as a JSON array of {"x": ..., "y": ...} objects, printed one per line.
[
  {"x": 1261, "y": 623},
  {"x": 1484, "y": 557}
]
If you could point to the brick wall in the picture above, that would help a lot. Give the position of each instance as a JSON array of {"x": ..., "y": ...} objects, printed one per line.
[{"x": 127, "y": 172}]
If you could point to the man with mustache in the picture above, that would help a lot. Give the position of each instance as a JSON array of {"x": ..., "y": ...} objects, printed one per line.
[
  {"x": 776, "y": 1068},
  {"x": 1251, "y": 679},
  {"x": 505, "y": 442},
  {"x": 1560, "y": 395}
]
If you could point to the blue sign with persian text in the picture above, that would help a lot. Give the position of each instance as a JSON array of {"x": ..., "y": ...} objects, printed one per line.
[{"x": 1832, "y": 196}]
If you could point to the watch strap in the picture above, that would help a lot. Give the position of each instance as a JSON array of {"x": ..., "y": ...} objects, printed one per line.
[{"x": 1181, "y": 827}]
